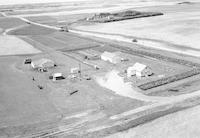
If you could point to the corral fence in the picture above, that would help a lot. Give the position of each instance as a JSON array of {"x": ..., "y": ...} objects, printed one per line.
[
  {"x": 157, "y": 56},
  {"x": 149, "y": 85},
  {"x": 167, "y": 80}
]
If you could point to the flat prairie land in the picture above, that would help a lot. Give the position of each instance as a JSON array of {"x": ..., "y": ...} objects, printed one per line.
[
  {"x": 21, "y": 101},
  {"x": 58, "y": 20},
  {"x": 11, "y": 45},
  {"x": 31, "y": 30},
  {"x": 183, "y": 124},
  {"x": 62, "y": 41},
  {"x": 178, "y": 27},
  {"x": 10, "y": 22}
]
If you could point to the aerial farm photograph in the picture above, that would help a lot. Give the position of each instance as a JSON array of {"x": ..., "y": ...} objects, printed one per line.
[{"x": 99, "y": 68}]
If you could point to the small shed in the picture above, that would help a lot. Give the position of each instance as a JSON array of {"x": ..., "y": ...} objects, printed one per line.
[
  {"x": 57, "y": 76},
  {"x": 113, "y": 57},
  {"x": 42, "y": 63},
  {"x": 75, "y": 70},
  {"x": 140, "y": 70}
]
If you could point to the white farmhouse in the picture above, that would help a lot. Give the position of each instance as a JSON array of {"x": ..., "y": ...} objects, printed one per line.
[
  {"x": 111, "y": 57},
  {"x": 140, "y": 70}
]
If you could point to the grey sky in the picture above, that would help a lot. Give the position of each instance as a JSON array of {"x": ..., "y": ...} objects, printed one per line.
[{"x": 5, "y": 2}]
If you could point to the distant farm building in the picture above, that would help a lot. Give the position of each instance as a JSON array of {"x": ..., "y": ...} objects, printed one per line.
[
  {"x": 139, "y": 70},
  {"x": 27, "y": 61},
  {"x": 111, "y": 57},
  {"x": 57, "y": 76},
  {"x": 90, "y": 54},
  {"x": 42, "y": 64},
  {"x": 75, "y": 70}
]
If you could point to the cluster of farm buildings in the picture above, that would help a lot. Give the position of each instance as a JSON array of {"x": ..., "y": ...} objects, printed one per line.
[{"x": 137, "y": 69}]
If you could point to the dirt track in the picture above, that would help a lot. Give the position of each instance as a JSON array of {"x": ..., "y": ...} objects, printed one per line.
[{"x": 183, "y": 124}]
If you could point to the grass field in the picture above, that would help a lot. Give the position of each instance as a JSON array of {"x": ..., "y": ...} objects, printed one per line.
[
  {"x": 9, "y": 22},
  {"x": 183, "y": 124},
  {"x": 62, "y": 41},
  {"x": 59, "y": 20},
  {"x": 21, "y": 101},
  {"x": 31, "y": 30}
]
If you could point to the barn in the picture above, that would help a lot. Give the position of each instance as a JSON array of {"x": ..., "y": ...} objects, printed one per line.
[
  {"x": 42, "y": 63},
  {"x": 139, "y": 70}
]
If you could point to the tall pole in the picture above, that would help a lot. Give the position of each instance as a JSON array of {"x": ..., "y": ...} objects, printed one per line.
[{"x": 80, "y": 68}]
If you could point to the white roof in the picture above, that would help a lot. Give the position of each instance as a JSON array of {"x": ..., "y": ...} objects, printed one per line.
[
  {"x": 57, "y": 75},
  {"x": 41, "y": 62},
  {"x": 110, "y": 54},
  {"x": 138, "y": 66}
]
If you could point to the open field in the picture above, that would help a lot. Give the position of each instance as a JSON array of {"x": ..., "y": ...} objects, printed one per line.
[
  {"x": 11, "y": 45},
  {"x": 82, "y": 7},
  {"x": 183, "y": 124},
  {"x": 31, "y": 30},
  {"x": 62, "y": 41},
  {"x": 182, "y": 88},
  {"x": 59, "y": 20},
  {"x": 22, "y": 102},
  {"x": 169, "y": 29},
  {"x": 6, "y": 23}
]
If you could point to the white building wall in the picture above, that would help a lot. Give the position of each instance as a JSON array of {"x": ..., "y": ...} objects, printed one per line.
[{"x": 145, "y": 72}]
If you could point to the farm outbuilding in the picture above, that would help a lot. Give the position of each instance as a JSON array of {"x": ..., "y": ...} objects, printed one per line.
[
  {"x": 75, "y": 70},
  {"x": 111, "y": 57},
  {"x": 139, "y": 70},
  {"x": 58, "y": 76},
  {"x": 42, "y": 63}
]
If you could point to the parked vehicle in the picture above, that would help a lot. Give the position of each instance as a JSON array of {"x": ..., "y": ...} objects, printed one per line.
[
  {"x": 134, "y": 40},
  {"x": 86, "y": 77},
  {"x": 27, "y": 61}
]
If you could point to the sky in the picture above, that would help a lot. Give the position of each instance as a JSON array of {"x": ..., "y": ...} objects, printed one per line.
[{"x": 6, "y": 2}]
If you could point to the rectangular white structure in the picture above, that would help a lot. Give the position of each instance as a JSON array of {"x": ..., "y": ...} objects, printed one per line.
[
  {"x": 111, "y": 57},
  {"x": 140, "y": 70}
]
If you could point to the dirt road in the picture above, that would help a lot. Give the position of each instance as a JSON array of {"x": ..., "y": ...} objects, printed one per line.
[{"x": 183, "y": 124}]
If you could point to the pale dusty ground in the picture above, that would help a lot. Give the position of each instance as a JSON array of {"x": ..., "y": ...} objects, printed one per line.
[
  {"x": 184, "y": 124},
  {"x": 114, "y": 82},
  {"x": 11, "y": 45}
]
